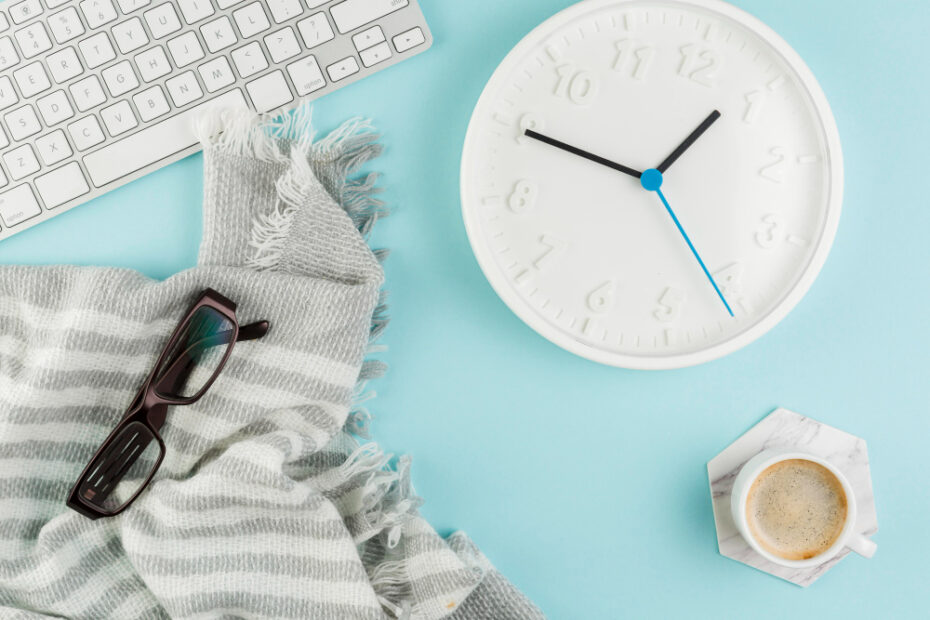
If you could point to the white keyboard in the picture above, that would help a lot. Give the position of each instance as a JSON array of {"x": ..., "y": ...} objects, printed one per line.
[{"x": 96, "y": 93}]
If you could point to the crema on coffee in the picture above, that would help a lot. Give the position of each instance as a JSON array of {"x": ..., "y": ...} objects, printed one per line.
[{"x": 796, "y": 509}]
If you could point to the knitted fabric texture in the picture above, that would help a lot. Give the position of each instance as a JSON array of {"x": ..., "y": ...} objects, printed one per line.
[{"x": 266, "y": 505}]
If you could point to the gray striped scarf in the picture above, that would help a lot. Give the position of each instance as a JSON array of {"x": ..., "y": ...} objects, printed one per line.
[{"x": 267, "y": 504}]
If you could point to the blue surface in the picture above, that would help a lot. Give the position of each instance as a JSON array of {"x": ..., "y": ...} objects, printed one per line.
[{"x": 586, "y": 484}]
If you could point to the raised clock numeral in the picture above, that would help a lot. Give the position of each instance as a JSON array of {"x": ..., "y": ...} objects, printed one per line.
[
  {"x": 775, "y": 170},
  {"x": 754, "y": 101},
  {"x": 771, "y": 232},
  {"x": 602, "y": 298},
  {"x": 670, "y": 305},
  {"x": 529, "y": 121},
  {"x": 730, "y": 280},
  {"x": 579, "y": 87},
  {"x": 699, "y": 65},
  {"x": 641, "y": 56},
  {"x": 554, "y": 247},
  {"x": 524, "y": 196}
]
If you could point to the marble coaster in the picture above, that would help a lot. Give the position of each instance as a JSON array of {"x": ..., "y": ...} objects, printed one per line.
[{"x": 783, "y": 429}]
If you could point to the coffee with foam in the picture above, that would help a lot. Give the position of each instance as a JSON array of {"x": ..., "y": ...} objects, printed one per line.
[{"x": 796, "y": 509}]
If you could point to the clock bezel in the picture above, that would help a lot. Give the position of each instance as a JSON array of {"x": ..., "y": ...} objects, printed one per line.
[{"x": 519, "y": 306}]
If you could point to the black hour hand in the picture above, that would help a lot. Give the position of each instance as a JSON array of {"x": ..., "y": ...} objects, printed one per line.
[
  {"x": 574, "y": 150},
  {"x": 691, "y": 139}
]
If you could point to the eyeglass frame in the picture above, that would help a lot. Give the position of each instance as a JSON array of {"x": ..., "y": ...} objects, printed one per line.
[{"x": 150, "y": 407}]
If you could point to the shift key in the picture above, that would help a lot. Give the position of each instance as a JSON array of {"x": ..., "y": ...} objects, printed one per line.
[{"x": 351, "y": 14}]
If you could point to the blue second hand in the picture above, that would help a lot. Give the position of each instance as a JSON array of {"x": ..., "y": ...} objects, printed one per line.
[{"x": 651, "y": 180}]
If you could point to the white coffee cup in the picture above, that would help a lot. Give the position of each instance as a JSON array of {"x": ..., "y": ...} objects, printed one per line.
[{"x": 848, "y": 536}]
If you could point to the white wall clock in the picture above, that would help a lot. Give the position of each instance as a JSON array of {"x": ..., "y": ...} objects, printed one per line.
[{"x": 652, "y": 183}]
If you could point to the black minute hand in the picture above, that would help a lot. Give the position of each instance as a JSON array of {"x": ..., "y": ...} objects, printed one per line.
[
  {"x": 576, "y": 151},
  {"x": 691, "y": 139}
]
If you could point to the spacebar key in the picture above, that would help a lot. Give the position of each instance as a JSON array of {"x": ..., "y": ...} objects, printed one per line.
[{"x": 155, "y": 142}]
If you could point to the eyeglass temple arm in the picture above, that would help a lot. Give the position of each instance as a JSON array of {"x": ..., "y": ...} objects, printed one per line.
[{"x": 252, "y": 331}]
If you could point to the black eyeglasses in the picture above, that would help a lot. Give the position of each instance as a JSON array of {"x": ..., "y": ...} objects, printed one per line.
[{"x": 191, "y": 361}]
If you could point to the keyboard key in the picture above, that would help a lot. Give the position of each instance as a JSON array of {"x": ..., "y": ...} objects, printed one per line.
[
  {"x": 119, "y": 78},
  {"x": 306, "y": 75},
  {"x": 24, "y": 11},
  {"x": 218, "y": 34},
  {"x": 282, "y": 45},
  {"x": 66, "y": 25},
  {"x": 53, "y": 147},
  {"x": 408, "y": 40},
  {"x": 55, "y": 108},
  {"x": 216, "y": 74},
  {"x": 21, "y": 162},
  {"x": 22, "y": 122},
  {"x": 283, "y": 10},
  {"x": 130, "y": 35},
  {"x": 97, "y": 50},
  {"x": 86, "y": 133},
  {"x": 8, "y": 55},
  {"x": 118, "y": 118},
  {"x": 18, "y": 205},
  {"x": 342, "y": 69},
  {"x": 155, "y": 142},
  {"x": 32, "y": 79},
  {"x": 368, "y": 38},
  {"x": 185, "y": 49},
  {"x": 195, "y": 10},
  {"x": 128, "y": 6},
  {"x": 351, "y": 14},
  {"x": 151, "y": 103},
  {"x": 249, "y": 59},
  {"x": 376, "y": 54},
  {"x": 7, "y": 93},
  {"x": 33, "y": 40},
  {"x": 87, "y": 93},
  {"x": 64, "y": 65},
  {"x": 162, "y": 20},
  {"x": 315, "y": 30},
  {"x": 98, "y": 12},
  {"x": 184, "y": 88},
  {"x": 62, "y": 185},
  {"x": 269, "y": 91},
  {"x": 251, "y": 20},
  {"x": 153, "y": 64}
]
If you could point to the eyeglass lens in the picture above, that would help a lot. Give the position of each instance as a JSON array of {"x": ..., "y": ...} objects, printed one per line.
[
  {"x": 196, "y": 356},
  {"x": 120, "y": 471}
]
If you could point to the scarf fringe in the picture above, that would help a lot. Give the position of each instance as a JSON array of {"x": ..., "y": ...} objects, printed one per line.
[
  {"x": 290, "y": 140},
  {"x": 384, "y": 492}
]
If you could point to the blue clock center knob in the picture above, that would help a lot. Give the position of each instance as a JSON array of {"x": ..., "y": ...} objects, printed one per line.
[{"x": 651, "y": 180}]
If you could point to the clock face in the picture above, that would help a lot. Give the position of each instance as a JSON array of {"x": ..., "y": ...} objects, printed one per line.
[{"x": 588, "y": 256}]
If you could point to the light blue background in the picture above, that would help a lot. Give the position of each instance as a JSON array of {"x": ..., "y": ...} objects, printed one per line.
[{"x": 585, "y": 484}]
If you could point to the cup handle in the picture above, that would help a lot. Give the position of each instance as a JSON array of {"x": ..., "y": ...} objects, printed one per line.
[{"x": 862, "y": 545}]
